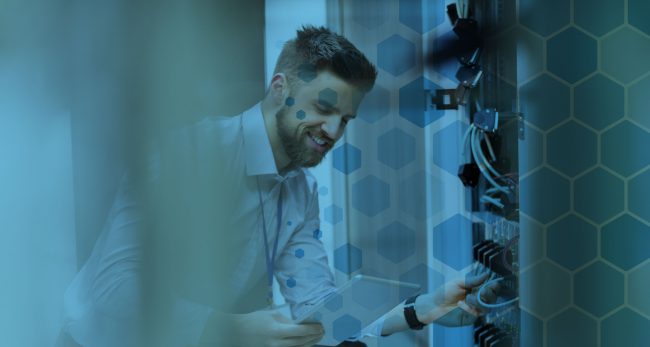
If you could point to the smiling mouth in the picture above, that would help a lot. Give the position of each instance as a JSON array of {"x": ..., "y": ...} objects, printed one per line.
[{"x": 320, "y": 143}]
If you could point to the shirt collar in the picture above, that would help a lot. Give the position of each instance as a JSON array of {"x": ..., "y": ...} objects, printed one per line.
[{"x": 257, "y": 146}]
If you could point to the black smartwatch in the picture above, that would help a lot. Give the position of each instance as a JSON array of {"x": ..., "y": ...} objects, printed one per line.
[{"x": 410, "y": 316}]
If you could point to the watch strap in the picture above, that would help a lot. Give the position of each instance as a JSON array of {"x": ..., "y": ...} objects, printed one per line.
[{"x": 410, "y": 316}]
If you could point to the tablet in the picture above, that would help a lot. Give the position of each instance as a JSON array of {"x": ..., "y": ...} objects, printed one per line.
[{"x": 355, "y": 305}]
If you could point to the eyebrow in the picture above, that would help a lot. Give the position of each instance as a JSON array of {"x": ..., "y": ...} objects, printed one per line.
[{"x": 334, "y": 108}]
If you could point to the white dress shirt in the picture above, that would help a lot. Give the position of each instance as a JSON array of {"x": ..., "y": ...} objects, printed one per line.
[{"x": 101, "y": 303}]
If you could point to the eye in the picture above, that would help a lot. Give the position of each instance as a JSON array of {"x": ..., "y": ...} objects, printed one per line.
[{"x": 324, "y": 111}]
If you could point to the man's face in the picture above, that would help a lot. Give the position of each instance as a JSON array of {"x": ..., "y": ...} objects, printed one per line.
[{"x": 314, "y": 118}]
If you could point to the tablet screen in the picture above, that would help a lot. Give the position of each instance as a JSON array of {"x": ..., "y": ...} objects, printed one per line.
[{"x": 355, "y": 305}]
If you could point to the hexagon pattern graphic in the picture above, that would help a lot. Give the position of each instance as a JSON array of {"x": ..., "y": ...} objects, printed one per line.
[
  {"x": 452, "y": 232},
  {"x": 531, "y": 242},
  {"x": 572, "y": 201},
  {"x": 348, "y": 258},
  {"x": 598, "y": 16},
  {"x": 532, "y": 330},
  {"x": 396, "y": 148},
  {"x": 598, "y": 289},
  {"x": 544, "y": 17},
  {"x": 522, "y": 54},
  {"x": 624, "y": 242},
  {"x": 625, "y": 328},
  {"x": 441, "y": 62},
  {"x": 507, "y": 15},
  {"x": 620, "y": 148},
  {"x": 599, "y": 101},
  {"x": 420, "y": 275},
  {"x": 544, "y": 195},
  {"x": 333, "y": 214},
  {"x": 291, "y": 282},
  {"x": 307, "y": 72},
  {"x": 371, "y": 296},
  {"x": 322, "y": 190},
  {"x": 369, "y": 13},
  {"x": 571, "y": 55},
  {"x": 638, "y": 14},
  {"x": 638, "y": 288},
  {"x": 545, "y": 289},
  {"x": 370, "y": 195},
  {"x": 396, "y": 55},
  {"x": 328, "y": 98},
  {"x": 413, "y": 199},
  {"x": 639, "y": 102},
  {"x": 345, "y": 327},
  {"x": 638, "y": 193},
  {"x": 571, "y": 242},
  {"x": 533, "y": 147},
  {"x": 625, "y": 67},
  {"x": 411, "y": 14},
  {"x": 334, "y": 303},
  {"x": 300, "y": 114},
  {"x": 412, "y": 103},
  {"x": 571, "y": 148},
  {"x": 396, "y": 242},
  {"x": 598, "y": 195},
  {"x": 507, "y": 95},
  {"x": 346, "y": 158},
  {"x": 442, "y": 156},
  {"x": 545, "y": 101},
  {"x": 375, "y": 105},
  {"x": 572, "y": 328}
]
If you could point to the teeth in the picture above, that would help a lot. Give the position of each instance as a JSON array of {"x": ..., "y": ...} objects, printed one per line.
[{"x": 319, "y": 140}]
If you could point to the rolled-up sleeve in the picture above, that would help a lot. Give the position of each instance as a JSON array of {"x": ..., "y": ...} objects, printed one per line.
[{"x": 303, "y": 272}]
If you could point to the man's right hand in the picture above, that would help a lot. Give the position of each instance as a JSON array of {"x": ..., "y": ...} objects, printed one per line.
[{"x": 270, "y": 328}]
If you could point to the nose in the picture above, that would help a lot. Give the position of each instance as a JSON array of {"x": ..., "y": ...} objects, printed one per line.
[{"x": 332, "y": 127}]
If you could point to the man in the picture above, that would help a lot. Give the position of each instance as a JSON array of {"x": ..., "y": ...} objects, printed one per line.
[{"x": 233, "y": 203}]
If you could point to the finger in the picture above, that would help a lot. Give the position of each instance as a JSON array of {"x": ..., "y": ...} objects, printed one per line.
[
  {"x": 472, "y": 281},
  {"x": 472, "y": 301},
  {"x": 465, "y": 318},
  {"x": 299, "y": 330},
  {"x": 467, "y": 308},
  {"x": 489, "y": 293},
  {"x": 302, "y": 340},
  {"x": 280, "y": 317}
]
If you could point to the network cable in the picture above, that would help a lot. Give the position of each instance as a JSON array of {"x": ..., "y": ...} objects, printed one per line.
[{"x": 499, "y": 305}]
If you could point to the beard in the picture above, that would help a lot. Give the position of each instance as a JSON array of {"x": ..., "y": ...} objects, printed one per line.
[{"x": 293, "y": 143}]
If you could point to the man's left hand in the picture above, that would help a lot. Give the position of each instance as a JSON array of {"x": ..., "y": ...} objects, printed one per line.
[{"x": 455, "y": 303}]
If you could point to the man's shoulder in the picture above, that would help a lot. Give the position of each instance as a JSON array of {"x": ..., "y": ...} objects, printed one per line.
[
  {"x": 220, "y": 128},
  {"x": 209, "y": 131}
]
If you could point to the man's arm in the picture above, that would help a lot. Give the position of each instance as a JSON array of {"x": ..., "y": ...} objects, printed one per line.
[
  {"x": 453, "y": 304},
  {"x": 104, "y": 304}
]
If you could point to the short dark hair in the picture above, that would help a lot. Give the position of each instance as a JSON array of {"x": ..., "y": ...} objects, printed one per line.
[{"x": 316, "y": 49}]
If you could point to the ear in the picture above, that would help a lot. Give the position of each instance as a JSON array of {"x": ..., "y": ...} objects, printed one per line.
[{"x": 279, "y": 88}]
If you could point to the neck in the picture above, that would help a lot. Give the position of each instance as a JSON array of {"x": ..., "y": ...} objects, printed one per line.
[{"x": 281, "y": 158}]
